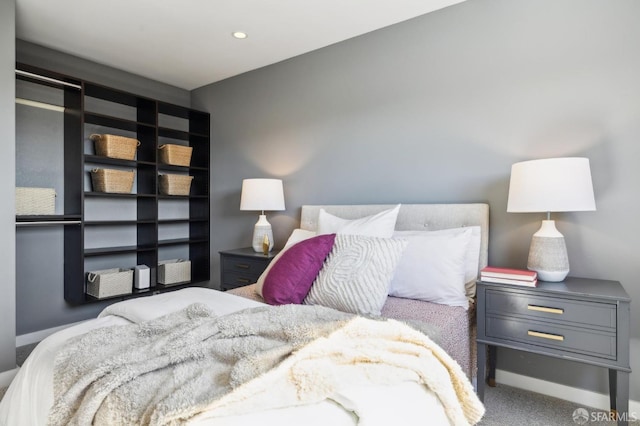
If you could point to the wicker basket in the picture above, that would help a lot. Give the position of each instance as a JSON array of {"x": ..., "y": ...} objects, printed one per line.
[
  {"x": 175, "y": 155},
  {"x": 175, "y": 184},
  {"x": 110, "y": 282},
  {"x": 109, "y": 180},
  {"x": 174, "y": 271},
  {"x": 115, "y": 146},
  {"x": 35, "y": 201}
]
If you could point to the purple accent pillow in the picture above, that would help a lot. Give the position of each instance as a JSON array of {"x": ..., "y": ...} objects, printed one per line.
[{"x": 290, "y": 278}]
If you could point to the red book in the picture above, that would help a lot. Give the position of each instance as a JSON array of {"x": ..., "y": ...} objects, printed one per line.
[{"x": 508, "y": 273}]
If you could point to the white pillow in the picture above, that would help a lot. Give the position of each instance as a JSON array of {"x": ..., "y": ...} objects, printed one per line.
[
  {"x": 296, "y": 236},
  {"x": 472, "y": 258},
  {"x": 432, "y": 268},
  {"x": 378, "y": 225},
  {"x": 356, "y": 274}
]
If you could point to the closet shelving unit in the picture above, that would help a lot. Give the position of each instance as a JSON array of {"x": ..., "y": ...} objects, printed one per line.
[{"x": 110, "y": 230}]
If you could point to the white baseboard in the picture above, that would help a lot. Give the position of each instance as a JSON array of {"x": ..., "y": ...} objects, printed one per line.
[
  {"x": 581, "y": 397},
  {"x": 37, "y": 336},
  {"x": 7, "y": 376}
]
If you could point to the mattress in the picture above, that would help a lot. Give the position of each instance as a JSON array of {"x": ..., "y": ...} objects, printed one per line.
[{"x": 455, "y": 325}]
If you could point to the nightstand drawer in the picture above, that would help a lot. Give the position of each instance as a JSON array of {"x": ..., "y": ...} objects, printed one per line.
[
  {"x": 233, "y": 280},
  {"x": 557, "y": 310},
  {"x": 569, "y": 339},
  {"x": 245, "y": 266},
  {"x": 242, "y": 266},
  {"x": 578, "y": 319}
]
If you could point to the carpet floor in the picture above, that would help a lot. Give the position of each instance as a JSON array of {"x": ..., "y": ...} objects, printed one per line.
[{"x": 512, "y": 406}]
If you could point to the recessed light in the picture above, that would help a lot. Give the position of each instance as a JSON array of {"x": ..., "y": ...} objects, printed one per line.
[{"x": 239, "y": 35}]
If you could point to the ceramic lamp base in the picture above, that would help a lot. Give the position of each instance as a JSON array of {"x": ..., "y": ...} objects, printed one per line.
[
  {"x": 548, "y": 253},
  {"x": 262, "y": 228}
]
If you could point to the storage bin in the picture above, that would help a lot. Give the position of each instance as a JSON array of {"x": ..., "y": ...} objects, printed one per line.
[
  {"x": 109, "y": 282},
  {"x": 174, "y": 271},
  {"x": 35, "y": 201},
  {"x": 109, "y": 180},
  {"x": 115, "y": 146},
  {"x": 175, "y": 155},
  {"x": 175, "y": 184},
  {"x": 141, "y": 277}
]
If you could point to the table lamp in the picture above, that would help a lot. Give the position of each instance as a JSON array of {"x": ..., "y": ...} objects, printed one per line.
[
  {"x": 262, "y": 194},
  {"x": 550, "y": 185}
]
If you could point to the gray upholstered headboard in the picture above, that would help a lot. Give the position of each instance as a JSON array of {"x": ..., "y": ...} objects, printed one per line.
[{"x": 414, "y": 217}]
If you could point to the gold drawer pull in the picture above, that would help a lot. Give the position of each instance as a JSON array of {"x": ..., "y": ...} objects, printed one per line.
[
  {"x": 242, "y": 266},
  {"x": 243, "y": 280},
  {"x": 545, "y": 335},
  {"x": 545, "y": 309}
]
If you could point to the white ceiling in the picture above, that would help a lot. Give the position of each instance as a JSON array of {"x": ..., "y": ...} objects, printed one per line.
[{"x": 188, "y": 43}]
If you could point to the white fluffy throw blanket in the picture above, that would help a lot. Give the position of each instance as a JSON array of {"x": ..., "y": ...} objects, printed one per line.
[{"x": 190, "y": 363}]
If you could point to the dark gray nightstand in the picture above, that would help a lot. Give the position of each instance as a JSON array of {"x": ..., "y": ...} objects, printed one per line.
[
  {"x": 243, "y": 266},
  {"x": 579, "y": 319}
]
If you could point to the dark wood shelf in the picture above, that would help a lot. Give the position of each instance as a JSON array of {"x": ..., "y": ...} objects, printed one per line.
[
  {"x": 100, "y": 91},
  {"x": 98, "y": 159},
  {"x": 185, "y": 220},
  {"x": 173, "y": 221},
  {"x": 114, "y": 122},
  {"x": 117, "y": 222},
  {"x": 182, "y": 241},
  {"x": 182, "y": 197},
  {"x": 117, "y": 195},
  {"x": 157, "y": 289},
  {"x": 116, "y": 111},
  {"x": 165, "y": 286},
  {"x": 180, "y": 112},
  {"x": 173, "y": 197},
  {"x": 117, "y": 250},
  {"x": 48, "y": 218},
  {"x": 173, "y": 134},
  {"x": 169, "y": 167},
  {"x": 173, "y": 242},
  {"x": 178, "y": 134}
]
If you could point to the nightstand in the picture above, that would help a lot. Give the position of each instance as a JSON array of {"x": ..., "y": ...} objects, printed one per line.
[
  {"x": 579, "y": 319},
  {"x": 243, "y": 266}
]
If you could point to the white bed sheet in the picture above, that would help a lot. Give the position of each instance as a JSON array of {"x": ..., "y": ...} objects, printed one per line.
[{"x": 30, "y": 395}]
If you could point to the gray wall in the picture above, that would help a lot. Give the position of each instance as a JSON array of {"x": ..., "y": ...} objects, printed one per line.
[
  {"x": 39, "y": 300},
  {"x": 437, "y": 109},
  {"x": 7, "y": 191}
]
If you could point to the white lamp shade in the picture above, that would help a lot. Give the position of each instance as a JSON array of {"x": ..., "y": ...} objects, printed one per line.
[
  {"x": 262, "y": 195},
  {"x": 551, "y": 185}
]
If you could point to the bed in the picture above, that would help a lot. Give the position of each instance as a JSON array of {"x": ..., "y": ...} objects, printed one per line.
[
  {"x": 456, "y": 326},
  {"x": 373, "y": 388}
]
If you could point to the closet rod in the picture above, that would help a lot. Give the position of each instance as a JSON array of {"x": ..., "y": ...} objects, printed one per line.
[
  {"x": 37, "y": 104},
  {"x": 49, "y": 223},
  {"x": 49, "y": 79}
]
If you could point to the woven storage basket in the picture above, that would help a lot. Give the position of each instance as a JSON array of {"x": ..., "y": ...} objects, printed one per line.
[
  {"x": 175, "y": 184},
  {"x": 110, "y": 282},
  {"x": 35, "y": 201},
  {"x": 109, "y": 180},
  {"x": 115, "y": 146},
  {"x": 175, "y": 155},
  {"x": 174, "y": 271}
]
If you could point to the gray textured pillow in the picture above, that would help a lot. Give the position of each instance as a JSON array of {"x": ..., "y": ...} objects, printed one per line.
[{"x": 356, "y": 275}]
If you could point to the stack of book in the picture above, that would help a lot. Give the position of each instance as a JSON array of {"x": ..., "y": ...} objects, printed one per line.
[{"x": 523, "y": 277}]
